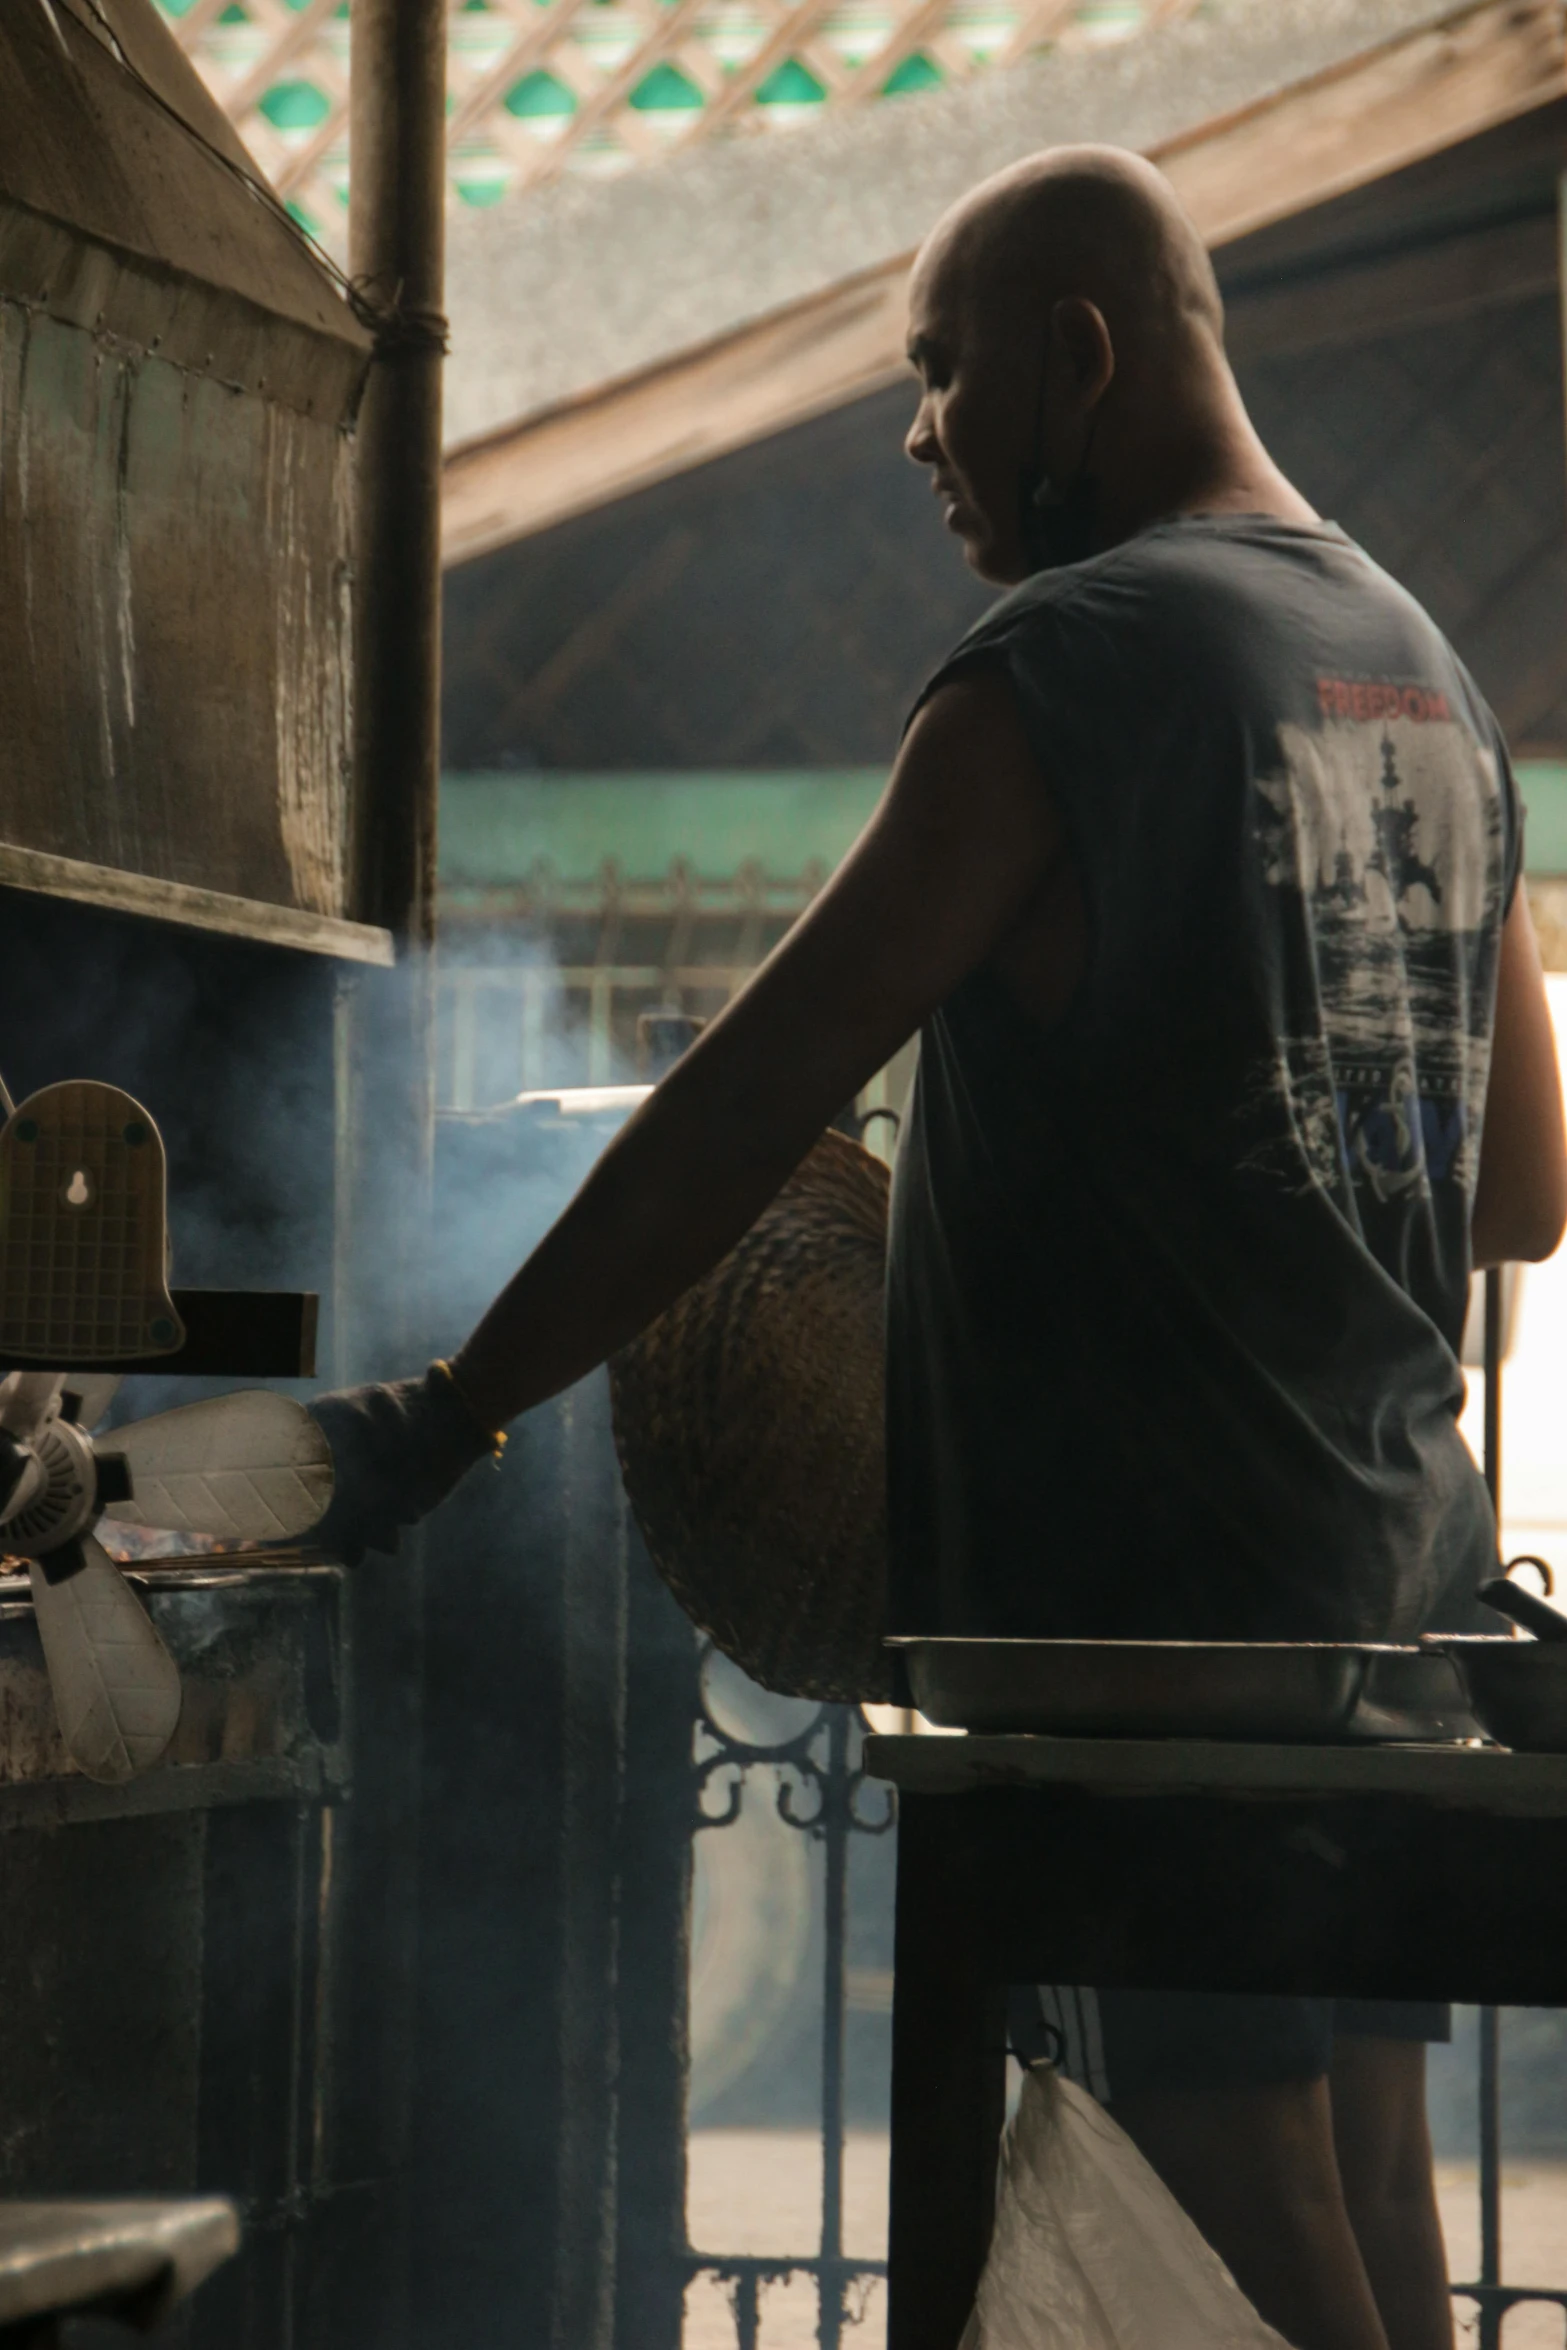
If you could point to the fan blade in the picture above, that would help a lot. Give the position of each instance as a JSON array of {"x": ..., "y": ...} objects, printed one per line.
[
  {"x": 116, "y": 1687},
  {"x": 95, "y": 1391},
  {"x": 27, "y": 1399},
  {"x": 251, "y": 1468}
]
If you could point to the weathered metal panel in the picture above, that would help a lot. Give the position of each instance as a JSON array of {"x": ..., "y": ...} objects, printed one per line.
[
  {"x": 100, "y": 2000},
  {"x": 178, "y": 382},
  {"x": 174, "y": 612},
  {"x": 107, "y": 135}
]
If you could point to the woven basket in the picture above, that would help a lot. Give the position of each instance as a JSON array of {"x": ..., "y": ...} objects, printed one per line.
[{"x": 748, "y": 1420}]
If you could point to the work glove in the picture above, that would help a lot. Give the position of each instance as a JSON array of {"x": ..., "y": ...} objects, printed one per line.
[{"x": 398, "y": 1449}]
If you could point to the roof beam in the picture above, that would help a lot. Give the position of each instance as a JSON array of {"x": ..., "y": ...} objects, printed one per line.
[
  {"x": 1379, "y": 112},
  {"x": 1478, "y": 269}
]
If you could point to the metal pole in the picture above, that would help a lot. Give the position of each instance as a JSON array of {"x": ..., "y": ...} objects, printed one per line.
[
  {"x": 1493, "y": 1389},
  {"x": 835, "y": 1805},
  {"x": 1490, "y": 2329},
  {"x": 396, "y": 225},
  {"x": 385, "y": 1063}
]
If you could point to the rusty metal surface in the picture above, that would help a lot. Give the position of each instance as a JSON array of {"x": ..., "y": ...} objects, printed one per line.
[
  {"x": 178, "y": 382},
  {"x": 259, "y": 1648},
  {"x": 166, "y": 235}
]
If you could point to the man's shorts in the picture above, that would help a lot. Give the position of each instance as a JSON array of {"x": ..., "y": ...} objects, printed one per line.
[{"x": 1114, "y": 2043}]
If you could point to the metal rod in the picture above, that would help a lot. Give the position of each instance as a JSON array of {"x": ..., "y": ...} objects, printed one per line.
[
  {"x": 396, "y": 227},
  {"x": 1493, "y": 1388},
  {"x": 835, "y": 1830},
  {"x": 1491, "y": 2312}
]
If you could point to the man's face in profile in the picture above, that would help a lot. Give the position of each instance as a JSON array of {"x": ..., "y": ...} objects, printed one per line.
[{"x": 974, "y": 423}]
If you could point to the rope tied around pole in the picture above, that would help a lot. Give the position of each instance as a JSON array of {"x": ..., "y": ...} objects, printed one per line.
[{"x": 400, "y": 328}]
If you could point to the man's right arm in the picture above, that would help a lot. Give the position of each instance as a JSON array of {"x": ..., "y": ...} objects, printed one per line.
[
  {"x": 963, "y": 841},
  {"x": 1520, "y": 1203},
  {"x": 958, "y": 847}
]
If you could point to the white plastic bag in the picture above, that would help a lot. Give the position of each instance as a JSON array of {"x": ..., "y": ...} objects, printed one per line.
[{"x": 1091, "y": 2251}]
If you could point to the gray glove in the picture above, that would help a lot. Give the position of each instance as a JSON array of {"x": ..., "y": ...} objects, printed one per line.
[{"x": 397, "y": 1451}]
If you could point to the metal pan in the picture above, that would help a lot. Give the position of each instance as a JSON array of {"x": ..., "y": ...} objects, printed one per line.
[
  {"x": 1406, "y": 1697},
  {"x": 1518, "y": 1687},
  {"x": 1285, "y": 1692}
]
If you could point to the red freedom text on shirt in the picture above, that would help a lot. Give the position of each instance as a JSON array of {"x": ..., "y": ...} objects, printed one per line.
[{"x": 1376, "y": 699}]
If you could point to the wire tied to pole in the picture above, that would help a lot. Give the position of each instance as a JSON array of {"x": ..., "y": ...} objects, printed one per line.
[{"x": 400, "y": 327}]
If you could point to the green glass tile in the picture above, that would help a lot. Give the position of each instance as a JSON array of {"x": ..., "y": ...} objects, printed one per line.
[
  {"x": 665, "y": 90},
  {"x": 480, "y": 192},
  {"x": 791, "y": 84},
  {"x": 295, "y": 106},
  {"x": 540, "y": 93},
  {"x": 915, "y": 73},
  {"x": 306, "y": 220},
  {"x": 176, "y": 7},
  {"x": 233, "y": 14}
]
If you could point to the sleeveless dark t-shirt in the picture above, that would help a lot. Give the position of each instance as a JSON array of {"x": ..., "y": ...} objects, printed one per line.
[{"x": 1176, "y": 1284}]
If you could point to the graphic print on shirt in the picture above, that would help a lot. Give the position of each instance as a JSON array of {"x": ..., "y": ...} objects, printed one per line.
[{"x": 1381, "y": 831}]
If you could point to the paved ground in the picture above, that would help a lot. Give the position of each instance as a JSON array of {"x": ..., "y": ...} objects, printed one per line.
[{"x": 758, "y": 2191}]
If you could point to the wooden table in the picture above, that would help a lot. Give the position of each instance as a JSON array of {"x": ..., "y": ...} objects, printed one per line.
[{"x": 1408, "y": 1872}]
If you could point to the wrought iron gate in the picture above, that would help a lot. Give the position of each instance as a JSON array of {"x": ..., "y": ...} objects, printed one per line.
[
  {"x": 1490, "y": 2296},
  {"x": 1493, "y": 2299},
  {"x": 820, "y": 1795},
  {"x": 821, "y": 1784}
]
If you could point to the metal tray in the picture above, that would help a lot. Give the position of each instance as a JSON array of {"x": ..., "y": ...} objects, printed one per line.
[{"x": 1285, "y": 1692}]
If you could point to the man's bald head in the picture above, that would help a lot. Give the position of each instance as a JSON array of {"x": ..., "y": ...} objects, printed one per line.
[
  {"x": 1095, "y": 222},
  {"x": 1066, "y": 323}
]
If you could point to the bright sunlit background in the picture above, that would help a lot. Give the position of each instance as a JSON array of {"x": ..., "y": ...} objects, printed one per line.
[{"x": 1534, "y": 1391}]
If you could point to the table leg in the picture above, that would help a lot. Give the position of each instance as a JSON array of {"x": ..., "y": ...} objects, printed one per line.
[{"x": 948, "y": 2087}]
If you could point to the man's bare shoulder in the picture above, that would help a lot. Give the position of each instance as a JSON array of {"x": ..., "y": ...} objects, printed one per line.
[{"x": 967, "y": 761}]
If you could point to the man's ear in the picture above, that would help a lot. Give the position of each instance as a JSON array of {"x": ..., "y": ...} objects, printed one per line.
[{"x": 1082, "y": 348}]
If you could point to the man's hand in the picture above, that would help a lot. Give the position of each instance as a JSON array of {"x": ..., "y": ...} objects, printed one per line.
[{"x": 397, "y": 1451}]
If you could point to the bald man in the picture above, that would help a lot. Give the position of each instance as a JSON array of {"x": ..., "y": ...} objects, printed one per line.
[{"x": 1197, "y": 874}]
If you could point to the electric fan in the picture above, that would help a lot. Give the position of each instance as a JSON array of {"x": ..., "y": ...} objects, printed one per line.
[{"x": 83, "y": 1279}]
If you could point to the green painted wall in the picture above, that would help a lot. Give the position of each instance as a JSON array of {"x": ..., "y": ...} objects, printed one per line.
[
  {"x": 1543, "y": 784},
  {"x": 496, "y": 828}
]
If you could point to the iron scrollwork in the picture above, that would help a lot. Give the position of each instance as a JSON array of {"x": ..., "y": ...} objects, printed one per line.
[{"x": 822, "y": 1793}]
